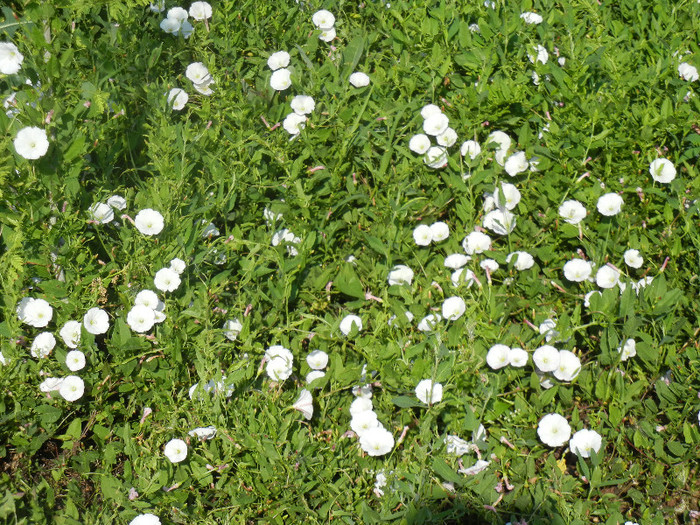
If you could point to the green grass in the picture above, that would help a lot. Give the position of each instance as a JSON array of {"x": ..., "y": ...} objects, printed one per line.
[{"x": 348, "y": 185}]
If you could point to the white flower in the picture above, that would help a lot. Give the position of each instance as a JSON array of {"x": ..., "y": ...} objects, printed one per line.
[
  {"x": 328, "y": 35},
  {"x": 553, "y": 430},
  {"x": 31, "y": 142},
  {"x": 419, "y": 143},
  {"x": 662, "y": 170},
  {"x": 456, "y": 261},
  {"x": 569, "y": 366},
  {"x": 75, "y": 360},
  {"x": 313, "y": 375},
  {"x": 456, "y": 445},
  {"x": 362, "y": 390},
  {"x": 359, "y": 79},
  {"x": 50, "y": 384},
  {"x": 629, "y": 349},
  {"x": 149, "y": 222},
  {"x": 10, "y": 58},
  {"x": 572, "y": 211},
  {"x": 429, "y": 110},
  {"x": 323, "y": 19},
  {"x": 294, "y": 123},
  {"x": 305, "y": 404},
  {"x": 447, "y": 138},
  {"x": 540, "y": 55},
  {"x": 474, "y": 28},
  {"x": 278, "y": 60},
  {"x": 141, "y": 318},
  {"x": 177, "y": 13},
  {"x": 471, "y": 148},
  {"x": 584, "y": 442},
  {"x": 96, "y": 321},
  {"x": 587, "y": 298},
  {"x": 171, "y": 26},
  {"x": 429, "y": 392},
  {"x": 281, "y": 79},
  {"x": 197, "y": 73},
  {"x": 607, "y": 277},
  {"x": 117, "y": 202},
  {"x": 453, "y": 308},
  {"x": 500, "y": 222},
  {"x": 359, "y": 405},
  {"x": 633, "y": 259},
  {"x": 303, "y": 104},
  {"x": 380, "y": 480},
  {"x": 547, "y": 328},
  {"x": 203, "y": 87},
  {"x": 232, "y": 328},
  {"x": 210, "y": 230},
  {"x": 476, "y": 242},
  {"x": 477, "y": 467},
  {"x": 377, "y": 441},
  {"x": 145, "y": 519},
  {"x": 280, "y": 361},
  {"x": 348, "y": 322},
  {"x": 423, "y": 235},
  {"x": 531, "y": 18},
  {"x": 498, "y": 356},
  {"x": 72, "y": 388},
  {"x": 688, "y": 72},
  {"x": 546, "y": 358},
  {"x": 489, "y": 265},
  {"x": 177, "y": 265},
  {"x": 577, "y": 270},
  {"x": 203, "y": 433},
  {"x": 400, "y": 275},
  {"x": 166, "y": 280},
  {"x": 429, "y": 322},
  {"x": 518, "y": 357},
  {"x": 436, "y": 124},
  {"x": 101, "y": 212},
  {"x": 516, "y": 163},
  {"x": 500, "y": 138},
  {"x": 175, "y": 450},
  {"x": 363, "y": 422},
  {"x": 409, "y": 317},
  {"x": 462, "y": 275},
  {"x": 200, "y": 10},
  {"x": 147, "y": 298},
  {"x": 523, "y": 260},
  {"x": 439, "y": 231},
  {"x": 70, "y": 333},
  {"x": 34, "y": 312},
  {"x": 436, "y": 157},
  {"x": 177, "y": 98},
  {"x": 642, "y": 283},
  {"x": 610, "y": 204},
  {"x": 507, "y": 196},
  {"x": 43, "y": 344},
  {"x": 317, "y": 360}
]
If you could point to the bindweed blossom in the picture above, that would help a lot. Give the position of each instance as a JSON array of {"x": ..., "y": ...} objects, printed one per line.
[
  {"x": 429, "y": 392},
  {"x": 349, "y": 322},
  {"x": 498, "y": 356},
  {"x": 359, "y": 79},
  {"x": 96, "y": 321},
  {"x": 10, "y": 58},
  {"x": 149, "y": 222},
  {"x": 175, "y": 450},
  {"x": 75, "y": 360},
  {"x": 400, "y": 275},
  {"x": 72, "y": 388},
  {"x": 42, "y": 345},
  {"x": 585, "y": 441},
  {"x": 34, "y": 312},
  {"x": 31, "y": 143},
  {"x": 554, "y": 430}
]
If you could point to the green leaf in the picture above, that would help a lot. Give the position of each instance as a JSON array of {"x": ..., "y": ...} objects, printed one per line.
[
  {"x": 348, "y": 282},
  {"x": 446, "y": 472}
]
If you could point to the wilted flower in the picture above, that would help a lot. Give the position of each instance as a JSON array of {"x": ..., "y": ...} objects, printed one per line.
[
  {"x": 554, "y": 430},
  {"x": 177, "y": 98},
  {"x": 348, "y": 322},
  {"x": 175, "y": 450},
  {"x": 72, "y": 388},
  {"x": 633, "y": 259},
  {"x": 96, "y": 321},
  {"x": 400, "y": 274},
  {"x": 359, "y": 79},
  {"x": 577, "y": 270},
  {"x": 31, "y": 143},
  {"x": 70, "y": 333},
  {"x": 75, "y": 360},
  {"x": 10, "y": 58},
  {"x": 377, "y": 441},
  {"x": 546, "y": 358},
  {"x": 498, "y": 356},
  {"x": 429, "y": 392},
  {"x": 42, "y": 345},
  {"x": 149, "y": 222},
  {"x": 610, "y": 204},
  {"x": 167, "y": 280},
  {"x": 305, "y": 404},
  {"x": 203, "y": 432},
  {"x": 572, "y": 211},
  {"x": 456, "y": 445},
  {"x": 232, "y": 328},
  {"x": 281, "y": 79},
  {"x": 688, "y": 72},
  {"x": 516, "y": 163},
  {"x": 662, "y": 170},
  {"x": 453, "y": 308},
  {"x": 477, "y": 467}
]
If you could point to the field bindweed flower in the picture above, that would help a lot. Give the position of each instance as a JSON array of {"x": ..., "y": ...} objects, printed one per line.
[
  {"x": 453, "y": 308},
  {"x": 498, "y": 356},
  {"x": 500, "y": 222},
  {"x": 436, "y": 124},
  {"x": 197, "y": 73},
  {"x": 149, "y": 222},
  {"x": 489, "y": 265},
  {"x": 317, "y": 360},
  {"x": 540, "y": 55},
  {"x": 607, "y": 277},
  {"x": 167, "y": 280},
  {"x": 72, "y": 388},
  {"x": 42, "y": 345},
  {"x": 547, "y": 328},
  {"x": 145, "y": 519},
  {"x": 523, "y": 260},
  {"x": 546, "y": 358},
  {"x": 50, "y": 384},
  {"x": 476, "y": 242},
  {"x": 518, "y": 357},
  {"x": 75, "y": 360},
  {"x": 436, "y": 157},
  {"x": 419, "y": 143},
  {"x": 577, "y": 270},
  {"x": 440, "y": 231},
  {"x": 175, "y": 450},
  {"x": 447, "y": 138},
  {"x": 203, "y": 433},
  {"x": 359, "y": 79},
  {"x": 429, "y": 110},
  {"x": 554, "y": 430},
  {"x": 377, "y": 442},
  {"x": 423, "y": 235},
  {"x": 200, "y": 10},
  {"x": 350, "y": 321},
  {"x": 587, "y": 297},
  {"x": 633, "y": 259},
  {"x": 141, "y": 318},
  {"x": 507, "y": 196},
  {"x": 400, "y": 275},
  {"x": 429, "y": 322},
  {"x": 294, "y": 123},
  {"x": 323, "y": 19},
  {"x": 585, "y": 441},
  {"x": 178, "y": 265},
  {"x": 471, "y": 148},
  {"x": 627, "y": 350},
  {"x": 360, "y": 404},
  {"x": 477, "y": 467},
  {"x": 232, "y": 329},
  {"x": 456, "y": 261},
  {"x": 147, "y": 298},
  {"x": 34, "y": 312},
  {"x": 569, "y": 366},
  {"x": 313, "y": 375},
  {"x": 364, "y": 422},
  {"x": 31, "y": 143},
  {"x": 177, "y": 13},
  {"x": 429, "y": 392},
  {"x": 305, "y": 404},
  {"x": 688, "y": 72},
  {"x": 572, "y": 211},
  {"x": 610, "y": 204},
  {"x": 117, "y": 202},
  {"x": 531, "y": 18},
  {"x": 10, "y": 58},
  {"x": 278, "y": 60},
  {"x": 96, "y": 321},
  {"x": 281, "y": 79},
  {"x": 516, "y": 163},
  {"x": 328, "y": 35},
  {"x": 456, "y": 445},
  {"x": 303, "y": 104},
  {"x": 70, "y": 333},
  {"x": 662, "y": 170},
  {"x": 177, "y": 98}
]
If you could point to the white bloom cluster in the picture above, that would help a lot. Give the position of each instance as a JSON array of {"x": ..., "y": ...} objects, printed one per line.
[
  {"x": 103, "y": 212},
  {"x": 289, "y": 239},
  {"x": 375, "y": 440},
  {"x": 500, "y": 355},
  {"x": 279, "y": 362},
  {"x": 200, "y": 77},
  {"x": 435, "y": 124},
  {"x": 563, "y": 364},
  {"x": 423, "y": 234},
  {"x": 325, "y": 22},
  {"x": 176, "y": 23},
  {"x": 317, "y": 361}
]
